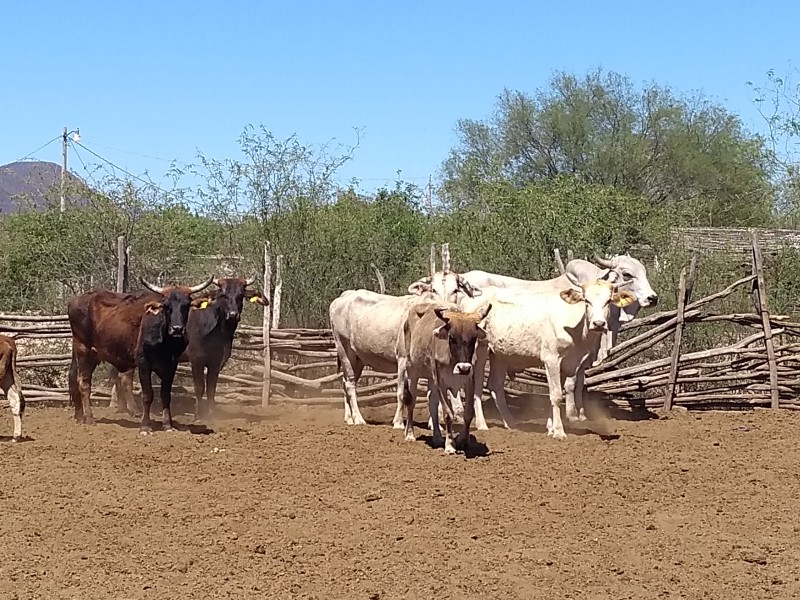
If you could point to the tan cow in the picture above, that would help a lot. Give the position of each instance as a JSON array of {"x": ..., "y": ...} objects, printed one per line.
[
  {"x": 437, "y": 343},
  {"x": 560, "y": 331},
  {"x": 365, "y": 328},
  {"x": 10, "y": 383}
]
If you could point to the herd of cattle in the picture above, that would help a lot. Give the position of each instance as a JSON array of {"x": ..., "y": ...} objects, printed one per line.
[{"x": 444, "y": 330}]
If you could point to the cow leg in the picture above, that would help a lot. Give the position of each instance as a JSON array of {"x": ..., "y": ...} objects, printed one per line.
[
  {"x": 409, "y": 400},
  {"x": 402, "y": 375},
  {"x": 74, "y": 391},
  {"x": 571, "y": 393},
  {"x": 435, "y": 410},
  {"x": 86, "y": 364},
  {"x": 555, "y": 427},
  {"x": 479, "y": 372},
  {"x": 458, "y": 408},
  {"x": 145, "y": 379},
  {"x": 497, "y": 377},
  {"x": 211, "y": 389},
  {"x": 351, "y": 371},
  {"x": 449, "y": 446},
  {"x": 199, "y": 380},
  {"x": 125, "y": 388},
  {"x": 16, "y": 401},
  {"x": 578, "y": 390},
  {"x": 167, "y": 378},
  {"x": 462, "y": 441}
]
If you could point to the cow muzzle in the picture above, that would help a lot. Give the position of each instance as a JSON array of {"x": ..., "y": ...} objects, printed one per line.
[
  {"x": 599, "y": 326},
  {"x": 176, "y": 330},
  {"x": 651, "y": 300},
  {"x": 462, "y": 368},
  {"x": 233, "y": 316}
]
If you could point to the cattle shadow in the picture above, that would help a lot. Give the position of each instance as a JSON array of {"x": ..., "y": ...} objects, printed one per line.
[
  {"x": 193, "y": 428},
  {"x": 7, "y": 439},
  {"x": 472, "y": 449}
]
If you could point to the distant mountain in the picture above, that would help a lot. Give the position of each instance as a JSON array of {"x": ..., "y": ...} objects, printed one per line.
[{"x": 28, "y": 185}]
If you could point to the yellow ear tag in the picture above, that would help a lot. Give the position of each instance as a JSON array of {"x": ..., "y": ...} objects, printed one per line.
[
  {"x": 204, "y": 304},
  {"x": 254, "y": 299}
]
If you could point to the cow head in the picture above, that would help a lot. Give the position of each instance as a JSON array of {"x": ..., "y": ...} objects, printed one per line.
[
  {"x": 462, "y": 330},
  {"x": 598, "y": 296},
  {"x": 229, "y": 299},
  {"x": 443, "y": 285},
  {"x": 172, "y": 309},
  {"x": 627, "y": 270}
]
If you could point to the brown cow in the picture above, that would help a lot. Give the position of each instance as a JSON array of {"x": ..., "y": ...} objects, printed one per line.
[
  {"x": 10, "y": 383},
  {"x": 438, "y": 343},
  {"x": 107, "y": 326}
]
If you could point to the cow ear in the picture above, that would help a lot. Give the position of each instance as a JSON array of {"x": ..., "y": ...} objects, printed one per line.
[
  {"x": 256, "y": 297},
  {"x": 421, "y": 286},
  {"x": 571, "y": 296},
  {"x": 441, "y": 332},
  {"x": 201, "y": 303},
  {"x": 623, "y": 298},
  {"x": 153, "y": 308}
]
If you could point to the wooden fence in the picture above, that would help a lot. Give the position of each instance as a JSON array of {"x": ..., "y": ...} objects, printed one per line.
[{"x": 648, "y": 367}]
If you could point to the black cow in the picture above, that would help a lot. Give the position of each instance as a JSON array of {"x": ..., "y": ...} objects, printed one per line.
[{"x": 210, "y": 332}]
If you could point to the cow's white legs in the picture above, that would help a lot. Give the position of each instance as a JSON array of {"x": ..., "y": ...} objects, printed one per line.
[
  {"x": 436, "y": 410},
  {"x": 397, "y": 422},
  {"x": 449, "y": 446},
  {"x": 17, "y": 403},
  {"x": 350, "y": 374},
  {"x": 573, "y": 390},
  {"x": 497, "y": 377},
  {"x": 458, "y": 410},
  {"x": 479, "y": 372},
  {"x": 555, "y": 427}
]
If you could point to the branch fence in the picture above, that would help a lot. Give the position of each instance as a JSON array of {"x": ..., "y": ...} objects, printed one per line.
[{"x": 650, "y": 367}]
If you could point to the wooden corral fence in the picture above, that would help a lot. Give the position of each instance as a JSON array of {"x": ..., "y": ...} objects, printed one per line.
[{"x": 648, "y": 367}]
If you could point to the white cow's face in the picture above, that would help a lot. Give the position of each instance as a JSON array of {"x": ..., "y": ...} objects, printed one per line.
[
  {"x": 598, "y": 296},
  {"x": 632, "y": 273},
  {"x": 444, "y": 286}
]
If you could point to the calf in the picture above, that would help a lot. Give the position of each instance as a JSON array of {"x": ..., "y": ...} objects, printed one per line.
[
  {"x": 107, "y": 326},
  {"x": 437, "y": 343},
  {"x": 9, "y": 381}
]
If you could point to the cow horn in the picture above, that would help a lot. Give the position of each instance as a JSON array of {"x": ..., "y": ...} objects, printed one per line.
[
  {"x": 214, "y": 280},
  {"x": 151, "y": 287},
  {"x": 201, "y": 286},
  {"x": 603, "y": 262},
  {"x": 250, "y": 281},
  {"x": 572, "y": 279}
]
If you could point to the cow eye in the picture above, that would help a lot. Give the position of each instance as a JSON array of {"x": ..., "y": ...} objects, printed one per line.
[{"x": 627, "y": 276}]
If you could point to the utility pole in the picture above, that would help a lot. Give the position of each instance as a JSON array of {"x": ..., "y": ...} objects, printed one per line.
[
  {"x": 76, "y": 137},
  {"x": 430, "y": 194},
  {"x": 63, "y": 167}
]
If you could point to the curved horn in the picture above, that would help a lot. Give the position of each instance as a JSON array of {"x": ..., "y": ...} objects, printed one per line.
[
  {"x": 572, "y": 279},
  {"x": 439, "y": 310},
  {"x": 603, "y": 262},
  {"x": 623, "y": 284},
  {"x": 250, "y": 281},
  {"x": 201, "y": 286},
  {"x": 214, "y": 280},
  {"x": 151, "y": 287}
]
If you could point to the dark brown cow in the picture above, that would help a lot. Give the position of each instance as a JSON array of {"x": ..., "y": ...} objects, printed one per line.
[
  {"x": 210, "y": 332},
  {"x": 142, "y": 329},
  {"x": 437, "y": 343},
  {"x": 9, "y": 382}
]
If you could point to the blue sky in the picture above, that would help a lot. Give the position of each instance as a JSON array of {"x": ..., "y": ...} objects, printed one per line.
[{"x": 159, "y": 80}]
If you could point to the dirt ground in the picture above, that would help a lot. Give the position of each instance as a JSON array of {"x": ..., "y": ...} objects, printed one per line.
[{"x": 290, "y": 503}]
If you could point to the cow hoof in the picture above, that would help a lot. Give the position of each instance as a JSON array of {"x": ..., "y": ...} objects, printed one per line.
[
  {"x": 410, "y": 437},
  {"x": 399, "y": 425},
  {"x": 15, "y": 439},
  {"x": 559, "y": 435},
  {"x": 147, "y": 431},
  {"x": 449, "y": 449},
  {"x": 88, "y": 420},
  {"x": 359, "y": 421},
  {"x": 482, "y": 427},
  {"x": 583, "y": 417},
  {"x": 168, "y": 429}
]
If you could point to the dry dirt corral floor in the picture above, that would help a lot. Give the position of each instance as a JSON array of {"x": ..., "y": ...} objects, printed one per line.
[{"x": 294, "y": 504}]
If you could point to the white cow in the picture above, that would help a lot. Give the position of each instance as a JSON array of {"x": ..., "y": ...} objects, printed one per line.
[
  {"x": 622, "y": 268},
  {"x": 560, "y": 331},
  {"x": 439, "y": 344},
  {"x": 365, "y": 327}
]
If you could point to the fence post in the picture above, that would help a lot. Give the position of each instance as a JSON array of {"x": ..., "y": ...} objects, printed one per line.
[
  {"x": 559, "y": 262},
  {"x": 433, "y": 259},
  {"x": 684, "y": 292},
  {"x": 267, "y": 378},
  {"x": 446, "y": 257},
  {"x": 276, "y": 308},
  {"x": 760, "y": 304}
]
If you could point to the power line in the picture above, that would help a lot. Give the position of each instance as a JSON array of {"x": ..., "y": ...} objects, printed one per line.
[
  {"x": 39, "y": 148},
  {"x": 131, "y": 153},
  {"x": 129, "y": 174}
]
